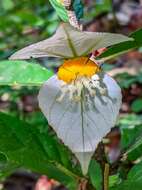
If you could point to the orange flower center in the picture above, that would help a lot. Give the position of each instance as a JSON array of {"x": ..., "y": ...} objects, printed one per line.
[{"x": 72, "y": 69}]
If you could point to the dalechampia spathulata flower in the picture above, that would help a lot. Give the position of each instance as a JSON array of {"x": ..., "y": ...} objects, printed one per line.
[{"x": 80, "y": 101}]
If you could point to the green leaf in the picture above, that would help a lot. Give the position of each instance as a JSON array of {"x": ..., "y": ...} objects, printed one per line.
[
  {"x": 60, "y": 9},
  {"x": 136, "y": 172},
  {"x": 25, "y": 146},
  {"x": 131, "y": 138},
  {"x": 95, "y": 174},
  {"x": 98, "y": 8},
  {"x": 130, "y": 127},
  {"x": 23, "y": 73},
  {"x": 114, "y": 180},
  {"x": 7, "y": 4},
  {"x": 3, "y": 158},
  {"x": 137, "y": 105},
  {"x": 102, "y": 7},
  {"x": 129, "y": 185},
  {"x": 6, "y": 167},
  {"x": 125, "y": 80},
  {"x": 130, "y": 120},
  {"x": 135, "y": 151},
  {"x": 134, "y": 179},
  {"x": 123, "y": 47}
]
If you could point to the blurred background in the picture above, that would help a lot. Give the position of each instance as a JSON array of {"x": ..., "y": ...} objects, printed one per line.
[{"x": 24, "y": 22}]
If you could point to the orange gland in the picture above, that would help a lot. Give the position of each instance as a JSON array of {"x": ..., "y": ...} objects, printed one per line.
[{"x": 72, "y": 69}]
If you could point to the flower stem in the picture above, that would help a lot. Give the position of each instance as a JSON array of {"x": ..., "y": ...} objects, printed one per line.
[{"x": 106, "y": 176}]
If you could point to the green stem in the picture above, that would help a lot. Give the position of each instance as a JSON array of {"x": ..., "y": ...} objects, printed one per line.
[{"x": 106, "y": 176}]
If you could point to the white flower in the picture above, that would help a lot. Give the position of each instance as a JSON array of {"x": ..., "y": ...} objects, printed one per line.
[{"x": 81, "y": 103}]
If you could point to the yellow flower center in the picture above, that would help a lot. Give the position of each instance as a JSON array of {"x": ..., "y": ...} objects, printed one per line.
[{"x": 72, "y": 69}]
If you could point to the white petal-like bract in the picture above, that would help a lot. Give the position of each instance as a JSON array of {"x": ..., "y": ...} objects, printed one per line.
[
  {"x": 69, "y": 42},
  {"x": 80, "y": 127}
]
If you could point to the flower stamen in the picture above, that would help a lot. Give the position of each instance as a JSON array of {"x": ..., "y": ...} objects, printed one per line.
[{"x": 76, "y": 76}]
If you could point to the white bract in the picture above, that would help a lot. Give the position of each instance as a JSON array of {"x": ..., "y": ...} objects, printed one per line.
[
  {"x": 69, "y": 42},
  {"x": 80, "y": 124},
  {"x": 84, "y": 109}
]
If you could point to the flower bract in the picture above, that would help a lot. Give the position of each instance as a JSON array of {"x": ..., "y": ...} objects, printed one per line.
[{"x": 69, "y": 42}]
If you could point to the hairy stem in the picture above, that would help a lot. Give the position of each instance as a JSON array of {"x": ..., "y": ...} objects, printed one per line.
[
  {"x": 68, "y": 4},
  {"x": 85, "y": 185}
]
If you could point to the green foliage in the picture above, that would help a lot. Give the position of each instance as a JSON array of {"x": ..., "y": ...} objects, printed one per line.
[
  {"x": 23, "y": 73},
  {"x": 125, "y": 80},
  {"x": 95, "y": 174},
  {"x": 123, "y": 47},
  {"x": 24, "y": 22},
  {"x": 135, "y": 151},
  {"x": 97, "y": 8},
  {"x": 131, "y": 138},
  {"x": 24, "y": 145},
  {"x": 137, "y": 105},
  {"x": 129, "y": 185},
  {"x": 7, "y": 4},
  {"x": 134, "y": 179},
  {"x": 60, "y": 9},
  {"x": 114, "y": 180},
  {"x": 6, "y": 167},
  {"x": 130, "y": 127}
]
